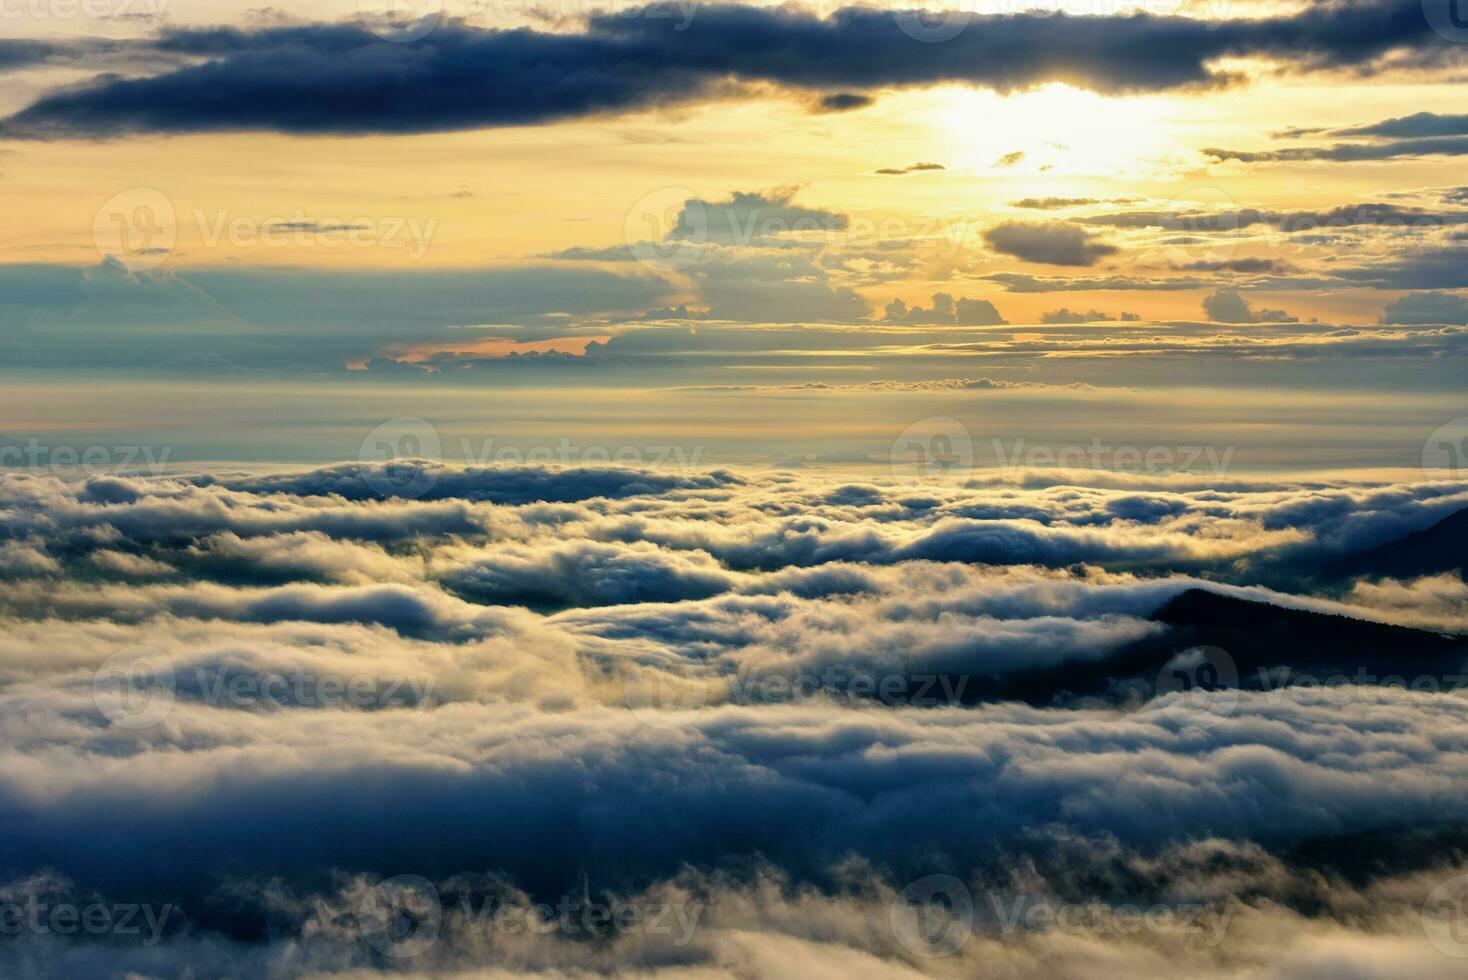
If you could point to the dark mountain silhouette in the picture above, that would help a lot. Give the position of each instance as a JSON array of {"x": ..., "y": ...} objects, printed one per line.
[
  {"x": 1431, "y": 551},
  {"x": 1270, "y": 646},
  {"x": 1263, "y": 635}
]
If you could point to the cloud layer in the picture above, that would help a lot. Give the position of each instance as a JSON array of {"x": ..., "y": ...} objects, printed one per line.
[{"x": 344, "y": 78}]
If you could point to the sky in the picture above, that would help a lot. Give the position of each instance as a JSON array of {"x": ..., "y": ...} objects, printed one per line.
[
  {"x": 523, "y": 178},
  {"x": 500, "y": 489},
  {"x": 1204, "y": 199}
]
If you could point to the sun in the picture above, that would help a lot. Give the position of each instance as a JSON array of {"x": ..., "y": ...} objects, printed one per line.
[{"x": 1055, "y": 130}]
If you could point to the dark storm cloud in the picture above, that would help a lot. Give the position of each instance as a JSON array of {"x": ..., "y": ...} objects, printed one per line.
[
  {"x": 341, "y": 78},
  {"x": 1428, "y": 268},
  {"x": 1416, "y": 125},
  {"x": 1290, "y": 222},
  {"x": 1348, "y": 152},
  {"x": 1425, "y": 308},
  {"x": 1019, "y": 282},
  {"x": 843, "y": 102},
  {"x": 1246, "y": 265},
  {"x": 17, "y": 54},
  {"x": 1048, "y": 242}
]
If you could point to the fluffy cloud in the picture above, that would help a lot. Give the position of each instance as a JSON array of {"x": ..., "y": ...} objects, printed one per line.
[
  {"x": 1064, "y": 315},
  {"x": 966, "y": 312},
  {"x": 1048, "y": 242},
  {"x": 1227, "y": 306},
  {"x": 774, "y": 700},
  {"x": 343, "y": 78},
  {"x": 1427, "y": 308}
]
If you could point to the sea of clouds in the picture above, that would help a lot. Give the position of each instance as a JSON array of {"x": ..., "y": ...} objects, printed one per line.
[{"x": 569, "y": 721}]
